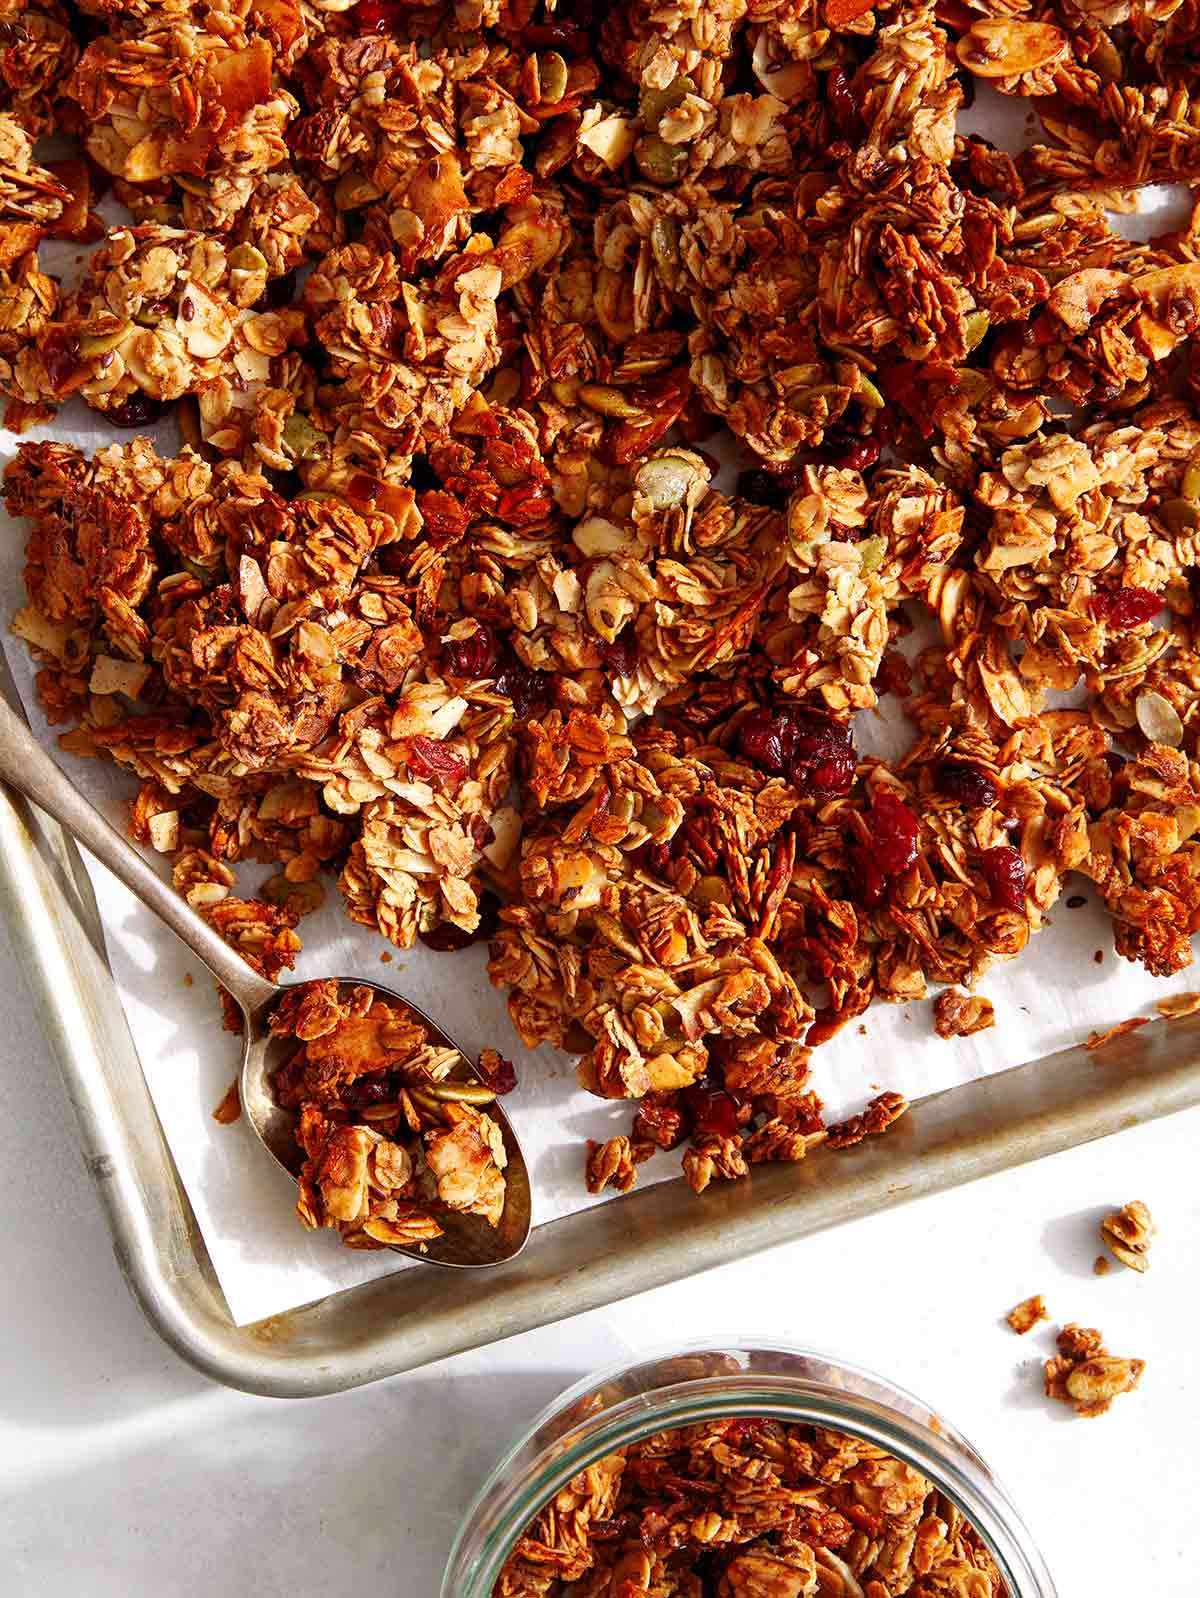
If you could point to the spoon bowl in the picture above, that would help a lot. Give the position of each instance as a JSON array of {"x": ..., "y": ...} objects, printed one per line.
[{"x": 467, "y": 1241}]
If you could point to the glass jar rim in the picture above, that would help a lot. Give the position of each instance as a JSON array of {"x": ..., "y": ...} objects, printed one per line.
[{"x": 878, "y": 1411}]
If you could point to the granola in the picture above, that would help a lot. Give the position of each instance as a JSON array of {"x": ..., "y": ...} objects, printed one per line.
[
  {"x": 1086, "y": 1375},
  {"x": 1027, "y": 1314},
  {"x": 389, "y": 1141},
  {"x": 750, "y": 1508},
  {"x": 441, "y": 599},
  {"x": 1128, "y": 1233}
]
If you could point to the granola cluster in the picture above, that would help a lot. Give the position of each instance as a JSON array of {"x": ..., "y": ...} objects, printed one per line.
[
  {"x": 750, "y": 1509},
  {"x": 1085, "y": 1375},
  {"x": 390, "y": 1140},
  {"x": 439, "y": 597}
]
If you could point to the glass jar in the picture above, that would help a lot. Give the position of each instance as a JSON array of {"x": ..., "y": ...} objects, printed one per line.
[{"x": 623, "y": 1405}]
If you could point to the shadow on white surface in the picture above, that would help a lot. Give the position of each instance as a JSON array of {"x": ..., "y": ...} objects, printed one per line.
[{"x": 1073, "y": 1241}]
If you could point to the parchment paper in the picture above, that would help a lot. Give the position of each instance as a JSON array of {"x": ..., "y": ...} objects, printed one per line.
[{"x": 266, "y": 1263}]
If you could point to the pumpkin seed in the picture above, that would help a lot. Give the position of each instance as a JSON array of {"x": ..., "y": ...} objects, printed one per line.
[
  {"x": 193, "y": 185},
  {"x": 871, "y": 552},
  {"x": 664, "y": 246},
  {"x": 975, "y": 326},
  {"x": 461, "y": 1092},
  {"x": 303, "y": 440},
  {"x": 866, "y": 391},
  {"x": 1180, "y": 515},
  {"x": 94, "y": 344},
  {"x": 665, "y": 481},
  {"x": 655, "y": 103},
  {"x": 245, "y": 258},
  {"x": 659, "y": 161},
  {"x": 1158, "y": 719},
  {"x": 552, "y": 77},
  {"x": 608, "y": 401}
]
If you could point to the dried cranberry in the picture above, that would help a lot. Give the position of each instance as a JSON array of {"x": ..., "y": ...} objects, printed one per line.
[
  {"x": 1004, "y": 870},
  {"x": 374, "y": 1088},
  {"x": 474, "y": 656},
  {"x": 528, "y": 690},
  {"x": 1126, "y": 607},
  {"x": 843, "y": 106},
  {"x": 763, "y": 488},
  {"x": 894, "y": 833},
  {"x": 760, "y": 739},
  {"x": 868, "y": 884},
  {"x": 966, "y": 783},
  {"x": 60, "y": 358},
  {"x": 428, "y": 758},
  {"x": 849, "y": 450},
  {"x": 446, "y": 938},
  {"x": 498, "y": 1073},
  {"x": 378, "y": 16},
  {"x": 280, "y": 291},
  {"x": 713, "y": 1111},
  {"x": 621, "y": 655},
  {"x": 816, "y": 752},
  {"x": 139, "y": 410}
]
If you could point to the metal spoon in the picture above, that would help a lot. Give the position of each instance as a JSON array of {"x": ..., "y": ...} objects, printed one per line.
[{"x": 467, "y": 1239}]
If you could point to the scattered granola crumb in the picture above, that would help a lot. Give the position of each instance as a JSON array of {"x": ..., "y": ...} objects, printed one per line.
[
  {"x": 1097, "y": 1040},
  {"x": 862, "y": 1032},
  {"x": 1176, "y": 1005},
  {"x": 1027, "y": 1314},
  {"x": 1101, "y": 1265},
  {"x": 1098, "y": 957},
  {"x": 1086, "y": 1375},
  {"x": 188, "y": 979},
  {"x": 958, "y": 1015},
  {"x": 230, "y": 1106},
  {"x": 385, "y": 958},
  {"x": 1128, "y": 1232}
]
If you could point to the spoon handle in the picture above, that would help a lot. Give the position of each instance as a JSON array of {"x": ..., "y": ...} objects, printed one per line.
[{"x": 25, "y": 764}]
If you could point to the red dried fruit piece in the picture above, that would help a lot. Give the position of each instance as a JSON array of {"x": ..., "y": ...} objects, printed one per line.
[
  {"x": 374, "y": 1088},
  {"x": 474, "y": 656},
  {"x": 966, "y": 783},
  {"x": 428, "y": 758},
  {"x": 1124, "y": 608},
  {"x": 139, "y": 410},
  {"x": 764, "y": 488},
  {"x": 713, "y": 1111},
  {"x": 498, "y": 1073},
  {"x": 620, "y": 656},
  {"x": 918, "y": 388},
  {"x": 894, "y": 833},
  {"x": 843, "y": 106},
  {"x": 528, "y": 690},
  {"x": 868, "y": 884},
  {"x": 760, "y": 739},
  {"x": 1004, "y": 872},
  {"x": 379, "y": 16}
]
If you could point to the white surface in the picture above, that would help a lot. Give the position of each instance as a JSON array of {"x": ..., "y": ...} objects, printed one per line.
[{"x": 124, "y": 1475}]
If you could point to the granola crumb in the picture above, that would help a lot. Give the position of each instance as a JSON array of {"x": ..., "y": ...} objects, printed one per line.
[
  {"x": 230, "y": 1106},
  {"x": 1098, "y": 1040},
  {"x": 1027, "y": 1314},
  {"x": 1128, "y": 1233},
  {"x": 1085, "y": 1375},
  {"x": 188, "y": 979},
  {"x": 1098, "y": 957},
  {"x": 958, "y": 1015},
  {"x": 385, "y": 958},
  {"x": 1101, "y": 1265}
]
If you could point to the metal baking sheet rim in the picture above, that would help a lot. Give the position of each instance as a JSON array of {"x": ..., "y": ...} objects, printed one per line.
[{"x": 581, "y": 1262}]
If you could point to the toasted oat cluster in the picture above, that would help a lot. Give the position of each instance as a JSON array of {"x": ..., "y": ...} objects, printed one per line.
[
  {"x": 438, "y": 598},
  {"x": 390, "y": 1141},
  {"x": 1129, "y": 1232},
  {"x": 750, "y": 1509},
  {"x": 1084, "y": 1373}
]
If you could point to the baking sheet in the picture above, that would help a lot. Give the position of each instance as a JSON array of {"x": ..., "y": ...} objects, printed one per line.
[{"x": 264, "y": 1261}]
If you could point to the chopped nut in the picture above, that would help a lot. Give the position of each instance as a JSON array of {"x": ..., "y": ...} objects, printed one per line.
[{"x": 957, "y": 1015}]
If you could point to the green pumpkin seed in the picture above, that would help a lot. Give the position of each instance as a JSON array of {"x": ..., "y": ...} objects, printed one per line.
[
  {"x": 656, "y": 103},
  {"x": 200, "y": 187},
  {"x": 552, "y": 77},
  {"x": 303, "y": 440},
  {"x": 94, "y": 344},
  {"x": 871, "y": 552},
  {"x": 608, "y": 401},
  {"x": 975, "y": 326},
  {"x": 245, "y": 258},
  {"x": 664, "y": 246},
  {"x": 1180, "y": 515},
  {"x": 1158, "y": 719},
  {"x": 461, "y": 1092},
  {"x": 659, "y": 161}
]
